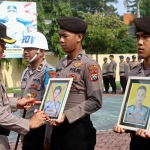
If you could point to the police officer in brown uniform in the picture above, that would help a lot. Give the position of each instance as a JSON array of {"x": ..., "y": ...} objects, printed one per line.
[
  {"x": 112, "y": 73},
  {"x": 34, "y": 81},
  {"x": 105, "y": 74},
  {"x": 8, "y": 121},
  {"x": 123, "y": 72},
  {"x": 75, "y": 131},
  {"x": 140, "y": 140},
  {"x": 133, "y": 62}
]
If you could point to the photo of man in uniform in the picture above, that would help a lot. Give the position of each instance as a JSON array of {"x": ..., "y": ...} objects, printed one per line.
[
  {"x": 15, "y": 29},
  {"x": 138, "y": 113},
  {"x": 52, "y": 107}
]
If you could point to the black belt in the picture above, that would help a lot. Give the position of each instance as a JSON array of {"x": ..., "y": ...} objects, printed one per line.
[
  {"x": 105, "y": 73},
  {"x": 111, "y": 72},
  {"x": 122, "y": 72},
  {"x": 4, "y": 131}
]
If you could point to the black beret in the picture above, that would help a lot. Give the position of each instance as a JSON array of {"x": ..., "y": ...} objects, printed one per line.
[
  {"x": 142, "y": 24},
  {"x": 72, "y": 24},
  {"x": 133, "y": 56}
]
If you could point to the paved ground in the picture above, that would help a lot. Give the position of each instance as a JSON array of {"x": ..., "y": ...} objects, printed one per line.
[{"x": 103, "y": 120}]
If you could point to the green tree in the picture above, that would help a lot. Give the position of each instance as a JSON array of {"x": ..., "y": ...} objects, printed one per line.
[
  {"x": 105, "y": 34},
  {"x": 59, "y": 8},
  {"x": 133, "y": 6},
  {"x": 92, "y": 6},
  {"x": 145, "y": 7}
]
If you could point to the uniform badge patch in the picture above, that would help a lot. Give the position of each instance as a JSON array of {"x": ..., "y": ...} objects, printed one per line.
[
  {"x": 77, "y": 64},
  {"x": 71, "y": 75},
  {"x": 33, "y": 94},
  {"x": 34, "y": 86},
  {"x": 93, "y": 72},
  {"x": 52, "y": 74}
]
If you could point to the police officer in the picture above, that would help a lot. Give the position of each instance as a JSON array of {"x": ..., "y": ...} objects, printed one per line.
[
  {"x": 133, "y": 63},
  {"x": 7, "y": 120},
  {"x": 74, "y": 131},
  {"x": 15, "y": 29},
  {"x": 128, "y": 60},
  {"x": 138, "y": 113},
  {"x": 112, "y": 73},
  {"x": 123, "y": 72},
  {"x": 34, "y": 81},
  {"x": 105, "y": 74},
  {"x": 140, "y": 139}
]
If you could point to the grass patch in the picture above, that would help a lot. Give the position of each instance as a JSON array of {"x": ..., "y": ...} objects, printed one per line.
[{"x": 13, "y": 90}]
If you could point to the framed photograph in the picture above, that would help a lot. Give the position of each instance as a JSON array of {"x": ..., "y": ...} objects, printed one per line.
[
  {"x": 135, "y": 110},
  {"x": 55, "y": 97}
]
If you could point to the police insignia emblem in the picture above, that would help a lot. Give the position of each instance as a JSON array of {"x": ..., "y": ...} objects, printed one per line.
[
  {"x": 71, "y": 75},
  {"x": 34, "y": 86},
  {"x": 33, "y": 94},
  {"x": 77, "y": 64},
  {"x": 93, "y": 72},
  {"x": 52, "y": 74}
]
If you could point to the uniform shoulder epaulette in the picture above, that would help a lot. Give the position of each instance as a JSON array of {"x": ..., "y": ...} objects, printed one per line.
[{"x": 136, "y": 66}]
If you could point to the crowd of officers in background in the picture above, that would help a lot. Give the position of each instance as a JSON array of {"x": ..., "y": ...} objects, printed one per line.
[{"x": 109, "y": 72}]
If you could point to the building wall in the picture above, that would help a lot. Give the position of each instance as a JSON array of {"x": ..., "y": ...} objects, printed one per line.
[{"x": 11, "y": 78}]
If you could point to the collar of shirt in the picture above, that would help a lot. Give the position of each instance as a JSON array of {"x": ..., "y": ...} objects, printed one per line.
[
  {"x": 39, "y": 68},
  {"x": 66, "y": 61}
]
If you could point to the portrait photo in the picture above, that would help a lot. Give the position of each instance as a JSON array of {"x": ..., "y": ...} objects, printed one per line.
[
  {"x": 55, "y": 96},
  {"x": 135, "y": 110},
  {"x": 20, "y": 18}
]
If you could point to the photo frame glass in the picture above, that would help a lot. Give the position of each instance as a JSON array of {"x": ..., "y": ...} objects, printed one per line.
[
  {"x": 135, "y": 108},
  {"x": 55, "y": 97}
]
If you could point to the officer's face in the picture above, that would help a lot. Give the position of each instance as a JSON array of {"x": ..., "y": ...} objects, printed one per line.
[
  {"x": 143, "y": 44},
  {"x": 56, "y": 93},
  {"x": 141, "y": 93},
  {"x": 12, "y": 15},
  {"x": 121, "y": 59},
  {"x": 69, "y": 41},
  {"x": 2, "y": 48},
  {"x": 105, "y": 60},
  {"x": 29, "y": 53},
  {"x": 127, "y": 60}
]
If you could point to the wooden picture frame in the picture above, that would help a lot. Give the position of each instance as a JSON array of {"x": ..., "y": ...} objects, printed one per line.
[
  {"x": 55, "y": 97},
  {"x": 135, "y": 110}
]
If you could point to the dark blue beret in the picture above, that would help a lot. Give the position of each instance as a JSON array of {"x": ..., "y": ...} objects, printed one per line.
[
  {"x": 121, "y": 56},
  {"x": 128, "y": 58},
  {"x": 72, "y": 24},
  {"x": 142, "y": 24}
]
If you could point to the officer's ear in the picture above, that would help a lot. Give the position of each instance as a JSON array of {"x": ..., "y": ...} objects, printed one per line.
[
  {"x": 80, "y": 37},
  {"x": 42, "y": 52}
]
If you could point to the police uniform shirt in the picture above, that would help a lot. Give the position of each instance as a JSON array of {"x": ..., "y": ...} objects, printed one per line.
[
  {"x": 133, "y": 64},
  {"x": 85, "y": 96},
  {"x": 123, "y": 68},
  {"x": 7, "y": 119},
  {"x": 34, "y": 81},
  {"x": 52, "y": 108},
  {"x": 139, "y": 116},
  {"x": 105, "y": 68},
  {"x": 112, "y": 68}
]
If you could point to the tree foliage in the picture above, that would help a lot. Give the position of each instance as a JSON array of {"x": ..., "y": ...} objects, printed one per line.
[
  {"x": 59, "y": 8},
  {"x": 92, "y": 6},
  {"x": 133, "y": 6},
  {"x": 106, "y": 34},
  {"x": 145, "y": 7}
]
